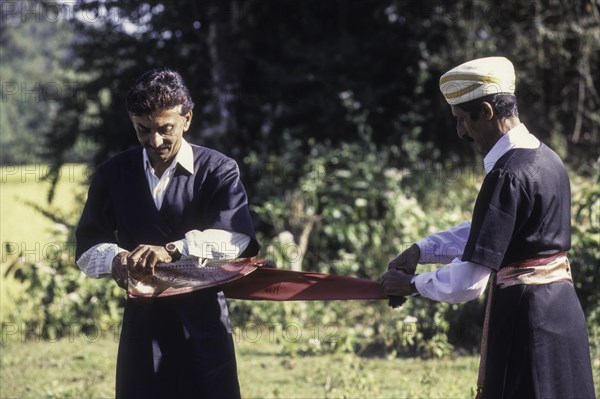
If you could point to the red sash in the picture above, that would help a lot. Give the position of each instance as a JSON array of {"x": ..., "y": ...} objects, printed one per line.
[
  {"x": 285, "y": 285},
  {"x": 250, "y": 279}
]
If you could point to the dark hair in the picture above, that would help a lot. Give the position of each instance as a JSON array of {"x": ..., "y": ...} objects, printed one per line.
[
  {"x": 505, "y": 106},
  {"x": 156, "y": 90}
]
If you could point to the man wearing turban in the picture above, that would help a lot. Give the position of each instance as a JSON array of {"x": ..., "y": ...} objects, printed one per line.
[{"x": 535, "y": 341}]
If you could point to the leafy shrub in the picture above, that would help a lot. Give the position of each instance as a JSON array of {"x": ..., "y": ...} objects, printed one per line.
[
  {"x": 364, "y": 212},
  {"x": 361, "y": 213},
  {"x": 585, "y": 252},
  {"x": 57, "y": 300}
]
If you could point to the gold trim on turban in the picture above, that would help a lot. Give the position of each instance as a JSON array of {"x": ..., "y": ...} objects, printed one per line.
[{"x": 478, "y": 78}]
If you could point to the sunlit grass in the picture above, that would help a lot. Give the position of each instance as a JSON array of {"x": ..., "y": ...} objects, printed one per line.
[
  {"x": 23, "y": 186},
  {"x": 82, "y": 366}
]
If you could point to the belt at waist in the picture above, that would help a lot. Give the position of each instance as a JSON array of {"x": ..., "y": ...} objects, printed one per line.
[{"x": 535, "y": 271}]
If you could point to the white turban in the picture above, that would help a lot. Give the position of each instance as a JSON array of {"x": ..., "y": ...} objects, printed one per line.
[{"x": 478, "y": 78}]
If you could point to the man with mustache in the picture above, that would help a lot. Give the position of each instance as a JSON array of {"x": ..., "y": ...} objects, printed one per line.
[
  {"x": 156, "y": 203},
  {"x": 535, "y": 342}
]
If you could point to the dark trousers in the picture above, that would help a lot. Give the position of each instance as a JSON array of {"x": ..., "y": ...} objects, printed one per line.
[{"x": 177, "y": 347}]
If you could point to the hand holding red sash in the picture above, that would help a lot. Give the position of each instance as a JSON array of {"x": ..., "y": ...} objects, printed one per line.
[{"x": 252, "y": 279}]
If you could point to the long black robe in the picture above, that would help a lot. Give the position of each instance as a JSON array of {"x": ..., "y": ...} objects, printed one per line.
[
  {"x": 180, "y": 346},
  {"x": 538, "y": 343}
]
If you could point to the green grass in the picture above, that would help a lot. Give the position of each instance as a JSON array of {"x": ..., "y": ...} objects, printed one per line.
[
  {"x": 80, "y": 367},
  {"x": 266, "y": 373},
  {"x": 23, "y": 225},
  {"x": 62, "y": 369}
]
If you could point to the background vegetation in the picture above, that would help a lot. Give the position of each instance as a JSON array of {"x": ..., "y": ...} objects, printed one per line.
[{"x": 332, "y": 109}]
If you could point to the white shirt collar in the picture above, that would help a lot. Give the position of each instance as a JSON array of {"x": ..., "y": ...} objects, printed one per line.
[
  {"x": 184, "y": 157},
  {"x": 517, "y": 137}
]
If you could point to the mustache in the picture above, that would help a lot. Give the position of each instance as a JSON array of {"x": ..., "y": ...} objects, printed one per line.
[{"x": 161, "y": 147}]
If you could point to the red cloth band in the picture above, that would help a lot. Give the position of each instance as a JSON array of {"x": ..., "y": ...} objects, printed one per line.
[
  {"x": 252, "y": 279},
  {"x": 285, "y": 285}
]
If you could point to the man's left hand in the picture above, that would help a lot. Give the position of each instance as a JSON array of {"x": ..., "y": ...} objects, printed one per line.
[
  {"x": 143, "y": 259},
  {"x": 397, "y": 283}
]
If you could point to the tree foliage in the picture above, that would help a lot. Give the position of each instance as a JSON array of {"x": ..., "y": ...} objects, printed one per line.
[
  {"x": 265, "y": 72},
  {"x": 34, "y": 81}
]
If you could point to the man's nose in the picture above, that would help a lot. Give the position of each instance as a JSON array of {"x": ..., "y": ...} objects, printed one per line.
[
  {"x": 155, "y": 140},
  {"x": 461, "y": 132}
]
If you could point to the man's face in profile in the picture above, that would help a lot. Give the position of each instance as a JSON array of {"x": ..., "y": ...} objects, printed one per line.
[{"x": 479, "y": 133}]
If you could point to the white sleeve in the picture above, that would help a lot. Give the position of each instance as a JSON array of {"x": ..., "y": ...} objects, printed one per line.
[
  {"x": 456, "y": 282},
  {"x": 96, "y": 262},
  {"x": 213, "y": 244},
  {"x": 444, "y": 246}
]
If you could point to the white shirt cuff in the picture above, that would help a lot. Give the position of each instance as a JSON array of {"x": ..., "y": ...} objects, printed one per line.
[
  {"x": 96, "y": 262},
  {"x": 215, "y": 244}
]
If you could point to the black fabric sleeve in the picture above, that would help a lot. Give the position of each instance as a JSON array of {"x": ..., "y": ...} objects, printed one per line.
[
  {"x": 228, "y": 207},
  {"x": 97, "y": 224},
  {"x": 498, "y": 204}
]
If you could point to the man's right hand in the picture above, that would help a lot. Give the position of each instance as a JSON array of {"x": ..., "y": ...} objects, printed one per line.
[
  {"x": 407, "y": 261},
  {"x": 119, "y": 269}
]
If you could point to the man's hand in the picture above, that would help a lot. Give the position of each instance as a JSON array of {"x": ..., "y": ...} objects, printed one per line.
[
  {"x": 407, "y": 260},
  {"x": 119, "y": 269},
  {"x": 143, "y": 259},
  {"x": 397, "y": 283}
]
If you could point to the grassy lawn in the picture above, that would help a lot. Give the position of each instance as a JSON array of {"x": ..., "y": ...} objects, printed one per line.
[
  {"x": 84, "y": 367},
  {"x": 80, "y": 366},
  {"x": 62, "y": 369},
  {"x": 265, "y": 373},
  {"x": 24, "y": 228}
]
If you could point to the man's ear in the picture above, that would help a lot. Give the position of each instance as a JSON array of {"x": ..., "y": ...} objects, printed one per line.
[
  {"x": 486, "y": 111},
  {"x": 188, "y": 121},
  {"x": 131, "y": 116}
]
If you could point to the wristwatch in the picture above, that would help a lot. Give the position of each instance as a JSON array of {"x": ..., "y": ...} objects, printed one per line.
[{"x": 173, "y": 251}]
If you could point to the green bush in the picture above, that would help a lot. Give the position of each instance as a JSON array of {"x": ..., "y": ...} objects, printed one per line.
[
  {"x": 360, "y": 213},
  {"x": 56, "y": 300},
  {"x": 363, "y": 212},
  {"x": 585, "y": 252}
]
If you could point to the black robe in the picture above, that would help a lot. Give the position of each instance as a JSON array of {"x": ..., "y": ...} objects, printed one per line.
[
  {"x": 179, "y": 346},
  {"x": 538, "y": 344}
]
